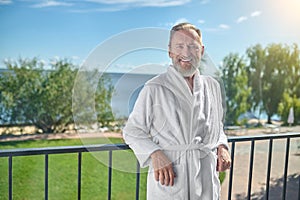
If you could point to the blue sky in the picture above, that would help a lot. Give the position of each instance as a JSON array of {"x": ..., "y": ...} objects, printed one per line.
[{"x": 73, "y": 28}]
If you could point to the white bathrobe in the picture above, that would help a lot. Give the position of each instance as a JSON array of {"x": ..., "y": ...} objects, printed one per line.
[{"x": 187, "y": 126}]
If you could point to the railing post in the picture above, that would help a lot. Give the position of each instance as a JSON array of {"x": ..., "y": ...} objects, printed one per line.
[
  {"x": 269, "y": 168},
  {"x": 109, "y": 174},
  {"x": 286, "y": 165},
  {"x": 46, "y": 175},
  {"x": 137, "y": 186},
  {"x": 231, "y": 170},
  {"x": 251, "y": 168},
  {"x": 79, "y": 175},
  {"x": 10, "y": 177},
  {"x": 299, "y": 188}
]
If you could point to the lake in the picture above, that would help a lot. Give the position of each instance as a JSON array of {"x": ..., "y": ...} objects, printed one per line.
[{"x": 127, "y": 87}]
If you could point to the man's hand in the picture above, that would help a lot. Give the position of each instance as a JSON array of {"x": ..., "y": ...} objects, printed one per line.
[
  {"x": 163, "y": 168},
  {"x": 224, "y": 159}
]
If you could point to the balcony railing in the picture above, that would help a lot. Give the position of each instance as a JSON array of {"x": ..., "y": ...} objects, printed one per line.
[
  {"x": 110, "y": 148},
  {"x": 270, "y": 140}
]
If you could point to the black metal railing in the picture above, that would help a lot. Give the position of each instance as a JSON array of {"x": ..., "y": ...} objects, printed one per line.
[
  {"x": 114, "y": 147},
  {"x": 253, "y": 139},
  {"x": 64, "y": 150}
]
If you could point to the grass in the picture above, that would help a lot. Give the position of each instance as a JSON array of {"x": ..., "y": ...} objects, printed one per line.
[{"x": 28, "y": 173}]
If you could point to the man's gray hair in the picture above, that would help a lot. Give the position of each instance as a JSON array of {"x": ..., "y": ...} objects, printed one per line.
[{"x": 185, "y": 26}]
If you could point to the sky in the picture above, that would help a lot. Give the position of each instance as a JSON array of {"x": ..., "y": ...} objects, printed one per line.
[{"x": 73, "y": 29}]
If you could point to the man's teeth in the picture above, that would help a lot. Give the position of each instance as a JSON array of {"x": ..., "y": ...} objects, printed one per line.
[{"x": 185, "y": 59}]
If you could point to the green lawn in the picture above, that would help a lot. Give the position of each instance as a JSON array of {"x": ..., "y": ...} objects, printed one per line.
[{"x": 28, "y": 173}]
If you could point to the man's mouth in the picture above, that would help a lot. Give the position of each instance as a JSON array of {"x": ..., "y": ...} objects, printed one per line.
[{"x": 185, "y": 59}]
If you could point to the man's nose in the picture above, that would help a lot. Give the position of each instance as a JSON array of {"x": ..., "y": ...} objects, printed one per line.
[{"x": 186, "y": 51}]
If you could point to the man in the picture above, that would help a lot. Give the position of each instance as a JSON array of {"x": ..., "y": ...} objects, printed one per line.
[{"x": 176, "y": 125}]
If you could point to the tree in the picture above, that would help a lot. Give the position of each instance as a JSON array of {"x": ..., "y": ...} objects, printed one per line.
[
  {"x": 20, "y": 88},
  {"x": 92, "y": 94},
  {"x": 32, "y": 95},
  {"x": 255, "y": 73},
  {"x": 55, "y": 99},
  {"x": 291, "y": 96},
  {"x": 286, "y": 103},
  {"x": 103, "y": 98},
  {"x": 293, "y": 72},
  {"x": 267, "y": 73},
  {"x": 276, "y": 65},
  {"x": 235, "y": 81}
]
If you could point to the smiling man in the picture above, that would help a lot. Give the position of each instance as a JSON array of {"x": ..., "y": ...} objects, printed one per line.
[{"x": 176, "y": 125}]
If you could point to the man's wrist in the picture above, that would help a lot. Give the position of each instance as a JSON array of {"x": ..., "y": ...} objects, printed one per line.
[
  {"x": 223, "y": 146},
  {"x": 154, "y": 152}
]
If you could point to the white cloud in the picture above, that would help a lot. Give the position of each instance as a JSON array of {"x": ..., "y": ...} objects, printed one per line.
[
  {"x": 107, "y": 9},
  {"x": 5, "y": 2},
  {"x": 256, "y": 13},
  {"x": 244, "y": 18},
  {"x": 119, "y": 5},
  {"x": 224, "y": 26},
  {"x": 51, "y": 4},
  {"x": 164, "y": 3},
  {"x": 241, "y": 19},
  {"x": 221, "y": 27},
  {"x": 201, "y": 21},
  {"x": 143, "y": 3}
]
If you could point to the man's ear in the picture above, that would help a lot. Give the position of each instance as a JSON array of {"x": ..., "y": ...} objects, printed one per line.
[
  {"x": 170, "y": 54},
  {"x": 169, "y": 51},
  {"x": 202, "y": 50}
]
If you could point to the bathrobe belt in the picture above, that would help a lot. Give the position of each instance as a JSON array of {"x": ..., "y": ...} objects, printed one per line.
[
  {"x": 204, "y": 152},
  {"x": 190, "y": 147}
]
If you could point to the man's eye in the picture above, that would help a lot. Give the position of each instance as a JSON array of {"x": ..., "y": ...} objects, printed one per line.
[
  {"x": 179, "y": 46},
  {"x": 194, "y": 47}
]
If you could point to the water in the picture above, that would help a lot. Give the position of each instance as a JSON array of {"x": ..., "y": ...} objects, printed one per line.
[{"x": 127, "y": 87}]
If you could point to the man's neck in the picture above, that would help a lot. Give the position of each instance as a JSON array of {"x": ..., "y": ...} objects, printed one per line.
[{"x": 190, "y": 81}]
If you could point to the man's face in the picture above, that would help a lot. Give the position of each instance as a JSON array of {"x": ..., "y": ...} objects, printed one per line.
[{"x": 185, "y": 51}]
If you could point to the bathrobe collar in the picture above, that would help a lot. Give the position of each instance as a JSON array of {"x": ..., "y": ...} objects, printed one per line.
[{"x": 175, "y": 82}]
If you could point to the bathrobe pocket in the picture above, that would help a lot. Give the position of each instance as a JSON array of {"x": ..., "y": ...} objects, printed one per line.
[{"x": 157, "y": 191}]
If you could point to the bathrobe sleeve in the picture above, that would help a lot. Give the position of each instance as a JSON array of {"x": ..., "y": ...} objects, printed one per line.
[
  {"x": 136, "y": 131},
  {"x": 222, "y": 137}
]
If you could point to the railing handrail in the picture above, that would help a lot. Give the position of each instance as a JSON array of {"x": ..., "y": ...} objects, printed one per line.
[
  {"x": 62, "y": 149},
  {"x": 121, "y": 146},
  {"x": 263, "y": 137}
]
